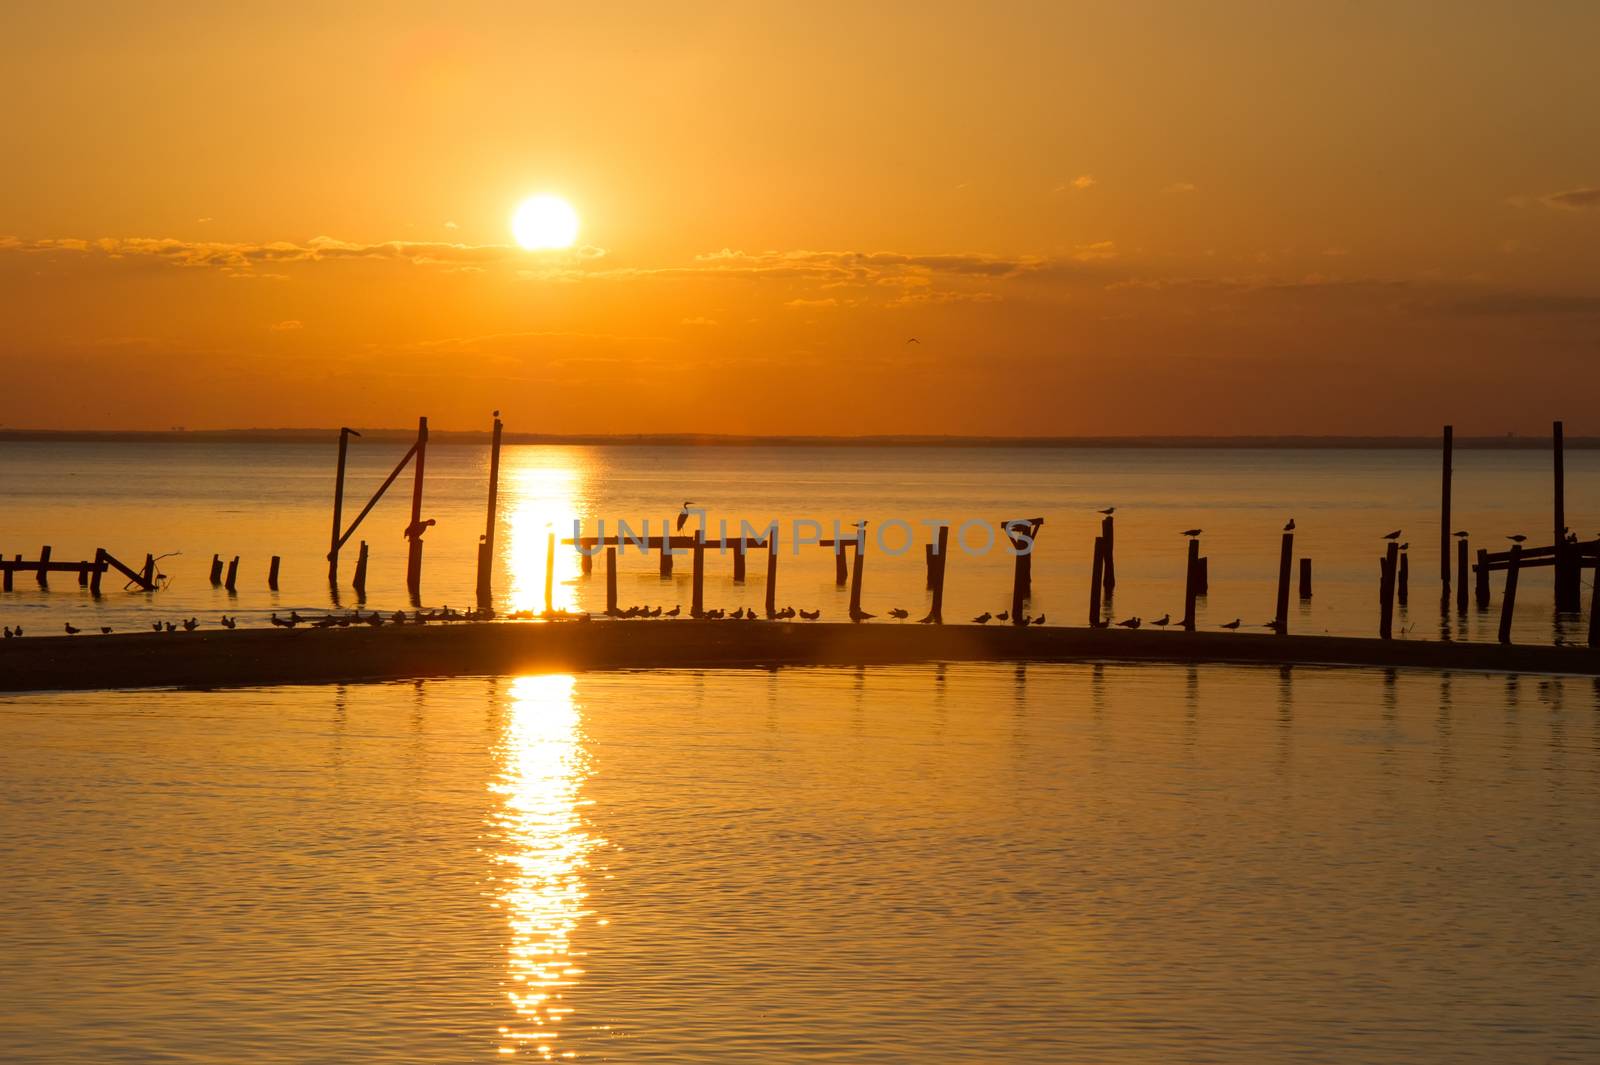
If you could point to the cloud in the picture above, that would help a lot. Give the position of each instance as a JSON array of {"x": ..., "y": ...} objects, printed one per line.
[
  {"x": 451, "y": 225},
  {"x": 1077, "y": 184},
  {"x": 699, "y": 321},
  {"x": 1574, "y": 199},
  {"x": 288, "y": 325},
  {"x": 802, "y": 304},
  {"x": 1099, "y": 250},
  {"x": 1183, "y": 186}
]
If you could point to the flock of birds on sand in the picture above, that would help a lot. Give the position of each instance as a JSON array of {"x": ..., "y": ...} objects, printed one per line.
[{"x": 445, "y": 614}]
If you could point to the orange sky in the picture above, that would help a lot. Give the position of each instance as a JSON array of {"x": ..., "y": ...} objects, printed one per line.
[{"x": 1119, "y": 218}]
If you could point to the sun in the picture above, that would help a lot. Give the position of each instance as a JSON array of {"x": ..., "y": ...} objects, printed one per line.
[{"x": 545, "y": 222}]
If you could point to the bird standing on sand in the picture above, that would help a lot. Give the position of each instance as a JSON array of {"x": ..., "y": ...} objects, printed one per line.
[
  {"x": 982, "y": 619},
  {"x": 811, "y": 615},
  {"x": 683, "y": 515},
  {"x": 1191, "y": 533},
  {"x": 1004, "y": 615},
  {"x": 1131, "y": 623},
  {"x": 675, "y": 611},
  {"x": 1234, "y": 624},
  {"x": 1039, "y": 620},
  {"x": 1163, "y": 621},
  {"x": 1392, "y": 536},
  {"x": 1517, "y": 539},
  {"x": 105, "y": 630},
  {"x": 72, "y": 631},
  {"x": 1289, "y": 527},
  {"x": 899, "y": 614}
]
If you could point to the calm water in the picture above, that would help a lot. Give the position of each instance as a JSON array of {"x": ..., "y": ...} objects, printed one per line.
[
  {"x": 1042, "y": 864},
  {"x": 189, "y": 502}
]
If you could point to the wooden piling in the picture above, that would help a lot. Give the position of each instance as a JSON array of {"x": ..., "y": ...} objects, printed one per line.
[
  {"x": 1444, "y": 508},
  {"x": 486, "y": 552},
  {"x": 666, "y": 553},
  {"x": 1557, "y": 449},
  {"x": 1096, "y": 581},
  {"x": 1461, "y": 576},
  {"x": 1305, "y": 578},
  {"x": 550, "y": 573},
  {"x": 1508, "y": 601},
  {"x": 7, "y": 578},
  {"x": 98, "y": 570},
  {"x": 738, "y": 561},
  {"x": 697, "y": 580},
  {"x": 1481, "y": 587},
  {"x": 1021, "y": 580},
  {"x": 83, "y": 576},
  {"x": 43, "y": 575},
  {"x": 855, "y": 579},
  {"x": 1386, "y": 581},
  {"x": 272, "y": 573},
  {"x": 1203, "y": 572},
  {"x": 1285, "y": 562},
  {"x": 1594, "y": 613},
  {"x": 231, "y": 582},
  {"x": 360, "y": 582},
  {"x": 611, "y": 582},
  {"x": 414, "y": 530},
  {"x": 216, "y": 570},
  {"x": 338, "y": 509},
  {"x": 1402, "y": 586},
  {"x": 927, "y": 561},
  {"x": 1108, "y": 533},
  {"x": 1191, "y": 583},
  {"x": 941, "y": 554},
  {"x": 585, "y": 561},
  {"x": 148, "y": 573},
  {"x": 772, "y": 570},
  {"x": 841, "y": 571}
]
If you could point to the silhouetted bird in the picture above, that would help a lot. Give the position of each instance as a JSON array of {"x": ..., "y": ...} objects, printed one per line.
[
  {"x": 226, "y": 622},
  {"x": 1289, "y": 527},
  {"x": 738, "y": 615},
  {"x": 913, "y": 340},
  {"x": 811, "y": 615},
  {"x": 294, "y": 616},
  {"x": 1131, "y": 623},
  {"x": 1392, "y": 536},
  {"x": 1234, "y": 624},
  {"x": 1461, "y": 533},
  {"x": 982, "y": 619},
  {"x": 674, "y": 612},
  {"x": 416, "y": 528},
  {"x": 191, "y": 624},
  {"x": 899, "y": 614},
  {"x": 1191, "y": 532},
  {"x": 281, "y": 623},
  {"x": 1406, "y": 546},
  {"x": 1164, "y": 620},
  {"x": 1109, "y": 510},
  {"x": 8, "y": 632},
  {"x": 1004, "y": 615},
  {"x": 72, "y": 631},
  {"x": 1039, "y": 620},
  {"x": 683, "y": 515},
  {"x": 171, "y": 627},
  {"x": 1517, "y": 539},
  {"x": 155, "y": 626},
  {"x": 105, "y": 630}
]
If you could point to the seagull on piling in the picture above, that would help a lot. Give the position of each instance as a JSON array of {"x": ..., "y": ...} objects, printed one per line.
[
  {"x": 1109, "y": 511},
  {"x": 683, "y": 515},
  {"x": 1405, "y": 546},
  {"x": 1289, "y": 527},
  {"x": 1191, "y": 533},
  {"x": 1461, "y": 533},
  {"x": 1517, "y": 539},
  {"x": 1392, "y": 536}
]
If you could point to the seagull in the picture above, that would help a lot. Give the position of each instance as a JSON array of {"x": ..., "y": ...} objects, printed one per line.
[
  {"x": 811, "y": 615},
  {"x": 982, "y": 619},
  {"x": 155, "y": 626},
  {"x": 1392, "y": 536},
  {"x": 1234, "y": 624},
  {"x": 913, "y": 340},
  {"x": 1004, "y": 615},
  {"x": 1191, "y": 532},
  {"x": 1131, "y": 623},
  {"x": 171, "y": 627},
  {"x": 1039, "y": 620},
  {"x": 72, "y": 631},
  {"x": 1461, "y": 533},
  {"x": 1405, "y": 546},
  {"x": 1289, "y": 527},
  {"x": 227, "y": 622},
  {"x": 675, "y": 611},
  {"x": 1164, "y": 620},
  {"x": 899, "y": 614},
  {"x": 1109, "y": 510},
  {"x": 282, "y": 623},
  {"x": 683, "y": 515},
  {"x": 8, "y": 632},
  {"x": 738, "y": 615},
  {"x": 191, "y": 624},
  {"x": 105, "y": 630},
  {"x": 1517, "y": 539},
  {"x": 416, "y": 528}
]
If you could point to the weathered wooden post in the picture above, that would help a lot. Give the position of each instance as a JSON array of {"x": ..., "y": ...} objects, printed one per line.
[
  {"x": 1387, "y": 568},
  {"x": 83, "y": 576},
  {"x": 855, "y": 575},
  {"x": 272, "y": 573},
  {"x": 666, "y": 553},
  {"x": 585, "y": 561},
  {"x": 1444, "y": 509},
  {"x": 360, "y": 582},
  {"x": 148, "y": 572},
  {"x": 841, "y": 572},
  {"x": 1202, "y": 584},
  {"x": 611, "y": 582},
  {"x": 1305, "y": 578},
  {"x": 738, "y": 561},
  {"x": 1481, "y": 588},
  {"x": 7, "y": 577},
  {"x": 927, "y": 561},
  {"x": 1461, "y": 575},
  {"x": 940, "y": 555},
  {"x": 414, "y": 530},
  {"x": 338, "y": 507},
  {"x": 549, "y": 574},
  {"x": 97, "y": 572},
  {"x": 1402, "y": 593},
  {"x": 772, "y": 570},
  {"x": 1191, "y": 583},
  {"x": 1594, "y": 612},
  {"x": 1108, "y": 534},
  {"x": 1565, "y": 599},
  {"x": 43, "y": 576},
  {"x": 1508, "y": 602},
  {"x": 231, "y": 582},
  {"x": 1280, "y": 620},
  {"x": 1096, "y": 581},
  {"x": 216, "y": 570},
  {"x": 697, "y": 580},
  {"x": 486, "y": 552}
]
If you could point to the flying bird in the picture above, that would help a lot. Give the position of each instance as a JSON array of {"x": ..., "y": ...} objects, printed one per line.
[
  {"x": 1191, "y": 532},
  {"x": 1392, "y": 536},
  {"x": 1289, "y": 527},
  {"x": 683, "y": 515},
  {"x": 913, "y": 340}
]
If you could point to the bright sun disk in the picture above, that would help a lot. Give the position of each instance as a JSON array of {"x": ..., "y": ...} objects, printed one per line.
[{"x": 545, "y": 222}]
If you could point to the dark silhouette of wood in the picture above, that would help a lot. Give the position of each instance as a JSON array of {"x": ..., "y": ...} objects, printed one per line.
[
  {"x": 231, "y": 581},
  {"x": 697, "y": 581},
  {"x": 772, "y": 572},
  {"x": 272, "y": 573},
  {"x": 549, "y": 573},
  {"x": 666, "y": 557},
  {"x": 382, "y": 488},
  {"x": 43, "y": 576},
  {"x": 1481, "y": 589},
  {"x": 1461, "y": 575},
  {"x": 336, "y": 540},
  {"x": 486, "y": 552},
  {"x": 1508, "y": 600},
  {"x": 611, "y": 582},
  {"x": 1096, "y": 581},
  {"x": 99, "y": 568},
  {"x": 1386, "y": 581},
  {"x": 841, "y": 572},
  {"x": 1305, "y": 578},
  {"x": 855, "y": 579},
  {"x": 1594, "y": 615},
  {"x": 1285, "y": 562},
  {"x": 1108, "y": 533},
  {"x": 216, "y": 570},
  {"x": 1203, "y": 569},
  {"x": 738, "y": 561},
  {"x": 360, "y": 582},
  {"x": 7, "y": 581},
  {"x": 1444, "y": 508},
  {"x": 927, "y": 561},
  {"x": 414, "y": 530},
  {"x": 941, "y": 554},
  {"x": 1403, "y": 585},
  {"x": 1022, "y": 576},
  {"x": 149, "y": 570},
  {"x": 1191, "y": 583}
]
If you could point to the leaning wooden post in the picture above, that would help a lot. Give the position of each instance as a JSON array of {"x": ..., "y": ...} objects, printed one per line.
[
  {"x": 1386, "y": 592},
  {"x": 1481, "y": 589},
  {"x": 414, "y": 531},
  {"x": 1444, "y": 508},
  {"x": 360, "y": 581},
  {"x": 96, "y": 573},
  {"x": 43, "y": 575},
  {"x": 855, "y": 576},
  {"x": 338, "y": 508},
  {"x": 1285, "y": 561},
  {"x": 216, "y": 570},
  {"x": 1305, "y": 578},
  {"x": 697, "y": 580},
  {"x": 272, "y": 573},
  {"x": 940, "y": 556},
  {"x": 1191, "y": 583},
  {"x": 231, "y": 582},
  {"x": 1096, "y": 578},
  {"x": 772, "y": 570},
  {"x": 549, "y": 573},
  {"x": 1108, "y": 534},
  {"x": 486, "y": 552},
  {"x": 1461, "y": 576},
  {"x": 1508, "y": 601},
  {"x": 1402, "y": 593},
  {"x": 611, "y": 582}
]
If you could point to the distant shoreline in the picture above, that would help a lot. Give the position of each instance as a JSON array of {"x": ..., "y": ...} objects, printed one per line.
[{"x": 441, "y": 436}]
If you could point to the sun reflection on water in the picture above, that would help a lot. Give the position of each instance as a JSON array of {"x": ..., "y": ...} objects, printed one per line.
[
  {"x": 545, "y": 849},
  {"x": 542, "y": 496}
]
